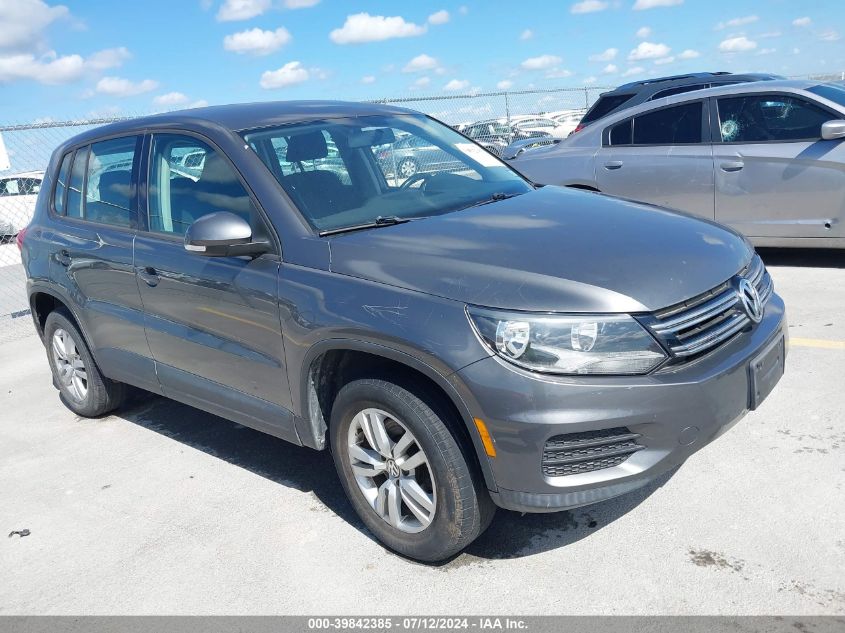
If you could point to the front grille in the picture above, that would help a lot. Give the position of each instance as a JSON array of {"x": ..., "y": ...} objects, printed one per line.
[
  {"x": 701, "y": 324},
  {"x": 587, "y": 451}
]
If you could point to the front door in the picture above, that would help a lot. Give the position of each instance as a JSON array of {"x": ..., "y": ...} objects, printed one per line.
[
  {"x": 775, "y": 177},
  {"x": 212, "y": 322}
]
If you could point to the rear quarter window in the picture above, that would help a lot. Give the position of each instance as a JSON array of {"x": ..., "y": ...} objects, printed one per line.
[{"x": 61, "y": 185}]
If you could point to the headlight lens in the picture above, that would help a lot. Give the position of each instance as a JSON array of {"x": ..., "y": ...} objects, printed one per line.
[{"x": 578, "y": 344}]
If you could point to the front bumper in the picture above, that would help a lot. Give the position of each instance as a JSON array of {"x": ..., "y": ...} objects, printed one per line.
[{"x": 676, "y": 411}]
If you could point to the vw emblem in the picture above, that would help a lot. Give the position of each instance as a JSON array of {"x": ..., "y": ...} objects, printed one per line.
[
  {"x": 392, "y": 469},
  {"x": 750, "y": 300}
]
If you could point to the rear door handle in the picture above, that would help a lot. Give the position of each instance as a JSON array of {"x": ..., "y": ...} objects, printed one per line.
[
  {"x": 732, "y": 165},
  {"x": 64, "y": 258},
  {"x": 149, "y": 276},
  {"x": 613, "y": 164}
]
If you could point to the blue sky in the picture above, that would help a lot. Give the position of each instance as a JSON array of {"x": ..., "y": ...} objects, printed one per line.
[{"x": 86, "y": 57}]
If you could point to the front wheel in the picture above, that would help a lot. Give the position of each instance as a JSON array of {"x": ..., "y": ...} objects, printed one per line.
[{"x": 404, "y": 472}]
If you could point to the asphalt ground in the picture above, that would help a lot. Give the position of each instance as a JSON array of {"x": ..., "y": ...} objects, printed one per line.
[{"x": 163, "y": 509}]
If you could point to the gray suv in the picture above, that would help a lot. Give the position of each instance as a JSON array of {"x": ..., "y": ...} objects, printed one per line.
[{"x": 459, "y": 339}]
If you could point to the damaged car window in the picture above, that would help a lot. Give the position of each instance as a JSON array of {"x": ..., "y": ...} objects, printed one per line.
[{"x": 769, "y": 118}]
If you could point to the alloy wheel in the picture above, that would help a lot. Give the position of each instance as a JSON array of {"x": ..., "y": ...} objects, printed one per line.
[{"x": 70, "y": 368}]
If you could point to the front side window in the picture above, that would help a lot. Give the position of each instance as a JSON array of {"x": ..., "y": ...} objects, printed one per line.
[
  {"x": 61, "y": 185},
  {"x": 669, "y": 126},
  {"x": 109, "y": 190},
  {"x": 770, "y": 118},
  {"x": 189, "y": 179},
  {"x": 404, "y": 166}
]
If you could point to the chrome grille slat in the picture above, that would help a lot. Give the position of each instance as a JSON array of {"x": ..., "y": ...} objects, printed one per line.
[{"x": 703, "y": 323}]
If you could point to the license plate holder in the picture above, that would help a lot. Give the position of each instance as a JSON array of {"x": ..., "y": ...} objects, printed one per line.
[{"x": 765, "y": 371}]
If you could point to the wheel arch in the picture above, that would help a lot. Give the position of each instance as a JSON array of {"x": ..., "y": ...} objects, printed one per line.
[{"x": 330, "y": 364}]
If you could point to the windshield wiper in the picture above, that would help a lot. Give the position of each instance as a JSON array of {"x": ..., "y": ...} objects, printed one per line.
[
  {"x": 493, "y": 198},
  {"x": 382, "y": 220}
]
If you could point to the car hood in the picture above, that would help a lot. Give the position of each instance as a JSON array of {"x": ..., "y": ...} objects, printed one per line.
[{"x": 552, "y": 249}]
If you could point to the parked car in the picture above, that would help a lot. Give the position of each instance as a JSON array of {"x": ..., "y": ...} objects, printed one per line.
[
  {"x": 492, "y": 135},
  {"x": 412, "y": 154},
  {"x": 17, "y": 201},
  {"x": 638, "y": 92},
  {"x": 461, "y": 341},
  {"x": 532, "y": 126},
  {"x": 568, "y": 120},
  {"x": 765, "y": 158}
]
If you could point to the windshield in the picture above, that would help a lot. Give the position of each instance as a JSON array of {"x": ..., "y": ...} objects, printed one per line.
[
  {"x": 350, "y": 172},
  {"x": 834, "y": 92}
]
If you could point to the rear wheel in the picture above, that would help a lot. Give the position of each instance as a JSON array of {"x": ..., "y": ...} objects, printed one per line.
[
  {"x": 85, "y": 390},
  {"x": 408, "y": 167},
  {"x": 405, "y": 473}
]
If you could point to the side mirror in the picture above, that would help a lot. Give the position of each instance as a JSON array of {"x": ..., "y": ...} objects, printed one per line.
[
  {"x": 832, "y": 130},
  {"x": 222, "y": 234}
]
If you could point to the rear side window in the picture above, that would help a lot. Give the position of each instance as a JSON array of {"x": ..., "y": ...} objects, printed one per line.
[
  {"x": 77, "y": 183},
  {"x": 604, "y": 106},
  {"x": 620, "y": 134},
  {"x": 61, "y": 185},
  {"x": 669, "y": 126},
  {"x": 109, "y": 191},
  {"x": 770, "y": 118}
]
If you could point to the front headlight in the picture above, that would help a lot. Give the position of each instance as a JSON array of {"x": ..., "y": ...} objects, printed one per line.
[{"x": 577, "y": 344}]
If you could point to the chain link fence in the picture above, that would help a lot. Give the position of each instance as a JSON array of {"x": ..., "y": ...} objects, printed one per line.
[{"x": 492, "y": 118}]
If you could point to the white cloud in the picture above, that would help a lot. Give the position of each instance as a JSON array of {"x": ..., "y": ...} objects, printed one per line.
[
  {"x": 664, "y": 60},
  {"x": 439, "y": 17},
  {"x": 290, "y": 74},
  {"x": 527, "y": 34},
  {"x": 199, "y": 103},
  {"x": 770, "y": 34},
  {"x": 23, "y": 22},
  {"x": 796, "y": 51},
  {"x": 590, "y": 80},
  {"x": 610, "y": 69},
  {"x": 589, "y": 6},
  {"x": 463, "y": 9},
  {"x": 420, "y": 63},
  {"x": 235, "y": 10},
  {"x": 648, "y": 50},
  {"x": 644, "y": 32},
  {"x": 689, "y": 54},
  {"x": 636, "y": 70},
  {"x": 767, "y": 51},
  {"x": 737, "y": 22},
  {"x": 607, "y": 56},
  {"x": 120, "y": 87},
  {"x": 256, "y": 42},
  {"x": 558, "y": 73},
  {"x": 108, "y": 58},
  {"x": 456, "y": 84},
  {"x": 642, "y": 5},
  {"x": 737, "y": 44},
  {"x": 805, "y": 21},
  {"x": 300, "y": 4},
  {"x": 830, "y": 35},
  {"x": 368, "y": 79},
  {"x": 422, "y": 82},
  {"x": 363, "y": 27},
  {"x": 171, "y": 99},
  {"x": 505, "y": 84},
  {"x": 541, "y": 63},
  {"x": 49, "y": 69}
]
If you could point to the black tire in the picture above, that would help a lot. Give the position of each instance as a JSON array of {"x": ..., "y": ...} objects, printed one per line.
[
  {"x": 463, "y": 507},
  {"x": 101, "y": 394},
  {"x": 412, "y": 169}
]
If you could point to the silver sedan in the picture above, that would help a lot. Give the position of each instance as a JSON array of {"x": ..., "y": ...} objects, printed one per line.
[{"x": 766, "y": 158}]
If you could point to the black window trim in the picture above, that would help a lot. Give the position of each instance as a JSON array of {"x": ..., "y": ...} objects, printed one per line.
[
  {"x": 716, "y": 123},
  {"x": 150, "y": 134},
  {"x": 706, "y": 131}
]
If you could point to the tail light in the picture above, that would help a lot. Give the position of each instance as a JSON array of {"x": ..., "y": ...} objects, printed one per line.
[
  {"x": 577, "y": 129},
  {"x": 19, "y": 239}
]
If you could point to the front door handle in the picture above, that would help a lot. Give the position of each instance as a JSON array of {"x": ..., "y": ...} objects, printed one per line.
[
  {"x": 613, "y": 164},
  {"x": 149, "y": 276},
  {"x": 732, "y": 165},
  {"x": 64, "y": 258}
]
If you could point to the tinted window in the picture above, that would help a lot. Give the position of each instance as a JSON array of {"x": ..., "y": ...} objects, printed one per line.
[
  {"x": 604, "y": 106},
  {"x": 61, "y": 185},
  {"x": 770, "y": 118},
  {"x": 830, "y": 91},
  {"x": 621, "y": 133},
  {"x": 30, "y": 186},
  {"x": 189, "y": 179},
  {"x": 9, "y": 187},
  {"x": 108, "y": 188},
  {"x": 77, "y": 182},
  {"x": 678, "y": 90},
  {"x": 669, "y": 126}
]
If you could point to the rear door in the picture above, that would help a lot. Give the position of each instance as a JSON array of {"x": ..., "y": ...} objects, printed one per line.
[
  {"x": 662, "y": 156},
  {"x": 775, "y": 176},
  {"x": 95, "y": 203},
  {"x": 212, "y": 322}
]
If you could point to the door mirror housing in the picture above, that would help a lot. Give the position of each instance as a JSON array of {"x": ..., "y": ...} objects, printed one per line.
[
  {"x": 833, "y": 130},
  {"x": 222, "y": 234}
]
